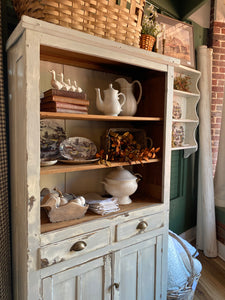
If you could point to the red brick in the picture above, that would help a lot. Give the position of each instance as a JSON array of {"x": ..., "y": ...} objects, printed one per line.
[
  {"x": 215, "y": 125},
  {"x": 222, "y": 70},
  {"x": 217, "y": 43},
  {"x": 220, "y": 95},
  {"x": 217, "y": 101},
  {"x": 215, "y": 143},
  {"x": 215, "y": 69},
  {"x": 219, "y": 63},
  {"x": 219, "y": 24},
  {"x": 222, "y": 44},
  {"x": 214, "y": 150},
  {"x": 213, "y": 107},
  {"x": 218, "y": 120},
  {"x": 220, "y": 82},
  {"x": 217, "y": 56},
  {"x": 214, "y": 82},
  {"x": 219, "y": 37},
  {"x": 216, "y": 30},
  {"x": 217, "y": 88},
  {"x": 215, "y": 114},
  {"x": 219, "y": 50},
  {"x": 219, "y": 107},
  {"x": 218, "y": 76}
]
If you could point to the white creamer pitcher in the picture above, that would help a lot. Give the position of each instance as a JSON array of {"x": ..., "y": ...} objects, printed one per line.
[{"x": 130, "y": 107}]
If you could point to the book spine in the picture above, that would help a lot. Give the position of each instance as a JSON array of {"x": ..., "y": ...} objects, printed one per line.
[
  {"x": 71, "y": 94},
  {"x": 65, "y": 110},
  {"x": 56, "y": 98},
  {"x": 63, "y": 105}
]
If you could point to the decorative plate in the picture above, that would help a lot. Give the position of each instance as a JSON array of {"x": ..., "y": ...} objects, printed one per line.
[
  {"x": 177, "y": 112},
  {"x": 51, "y": 135},
  {"x": 78, "y": 148},
  {"x": 177, "y": 135},
  {"x": 78, "y": 161},
  {"x": 45, "y": 163}
]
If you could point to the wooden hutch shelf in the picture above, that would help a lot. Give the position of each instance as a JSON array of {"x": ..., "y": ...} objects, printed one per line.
[{"x": 87, "y": 117}]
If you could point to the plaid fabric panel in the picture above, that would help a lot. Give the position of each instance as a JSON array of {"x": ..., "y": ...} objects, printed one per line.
[{"x": 5, "y": 258}]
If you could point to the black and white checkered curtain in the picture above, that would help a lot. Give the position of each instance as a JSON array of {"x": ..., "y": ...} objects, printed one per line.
[{"x": 5, "y": 257}]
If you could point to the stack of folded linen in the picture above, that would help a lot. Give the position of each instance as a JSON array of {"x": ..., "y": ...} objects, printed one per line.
[{"x": 101, "y": 205}]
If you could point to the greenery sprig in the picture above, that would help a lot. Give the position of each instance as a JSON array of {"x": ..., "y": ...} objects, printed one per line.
[{"x": 149, "y": 24}]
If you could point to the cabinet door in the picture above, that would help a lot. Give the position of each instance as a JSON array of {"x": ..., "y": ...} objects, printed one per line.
[
  {"x": 91, "y": 280},
  {"x": 137, "y": 271}
]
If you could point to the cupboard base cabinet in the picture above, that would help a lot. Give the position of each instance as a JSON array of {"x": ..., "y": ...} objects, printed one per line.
[{"x": 121, "y": 255}]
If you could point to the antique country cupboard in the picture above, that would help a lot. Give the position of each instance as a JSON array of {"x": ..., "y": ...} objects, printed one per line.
[{"x": 125, "y": 253}]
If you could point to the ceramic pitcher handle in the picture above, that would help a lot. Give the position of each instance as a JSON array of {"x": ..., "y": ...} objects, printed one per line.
[
  {"x": 124, "y": 98},
  {"x": 150, "y": 142},
  {"x": 140, "y": 87}
]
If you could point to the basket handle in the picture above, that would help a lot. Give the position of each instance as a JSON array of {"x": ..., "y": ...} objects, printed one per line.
[{"x": 191, "y": 278}]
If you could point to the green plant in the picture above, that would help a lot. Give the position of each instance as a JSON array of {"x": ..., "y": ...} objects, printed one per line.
[{"x": 149, "y": 24}]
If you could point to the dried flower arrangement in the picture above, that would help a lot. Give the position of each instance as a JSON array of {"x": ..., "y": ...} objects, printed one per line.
[
  {"x": 182, "y": 83},
  {"x": 149, "y": 24},
  {"x": 124, "y": 148}
]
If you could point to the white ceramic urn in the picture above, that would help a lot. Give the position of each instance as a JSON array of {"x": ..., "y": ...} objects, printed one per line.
[{"x": 121, "y": 183}]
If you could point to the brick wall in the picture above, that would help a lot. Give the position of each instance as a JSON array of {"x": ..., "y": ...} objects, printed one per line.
[{"x": 217, "y": 42}]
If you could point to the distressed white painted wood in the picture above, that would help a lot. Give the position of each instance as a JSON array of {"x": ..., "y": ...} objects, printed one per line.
[
  {"x": 188, "y": 102},
  {"x": 90, "y": 281},
  {"x": 64, "y": 250},
  {"x": 87, "y": 275},
  {"x": 131, "y": 228},
  {"x": 135, "y": 275},
  {"x": 25, "y": 162}
]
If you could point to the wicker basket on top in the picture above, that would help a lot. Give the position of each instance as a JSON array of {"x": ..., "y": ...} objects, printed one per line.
[{"x": 117, "y": 20}]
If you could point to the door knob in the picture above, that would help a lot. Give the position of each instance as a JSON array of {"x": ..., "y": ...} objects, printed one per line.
[{"x": 116, "y": 285}]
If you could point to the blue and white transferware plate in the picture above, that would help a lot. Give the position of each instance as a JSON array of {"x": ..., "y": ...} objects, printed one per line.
[
  {"x": 51, "y": 135},
  {"x": 78, "y": 148}
]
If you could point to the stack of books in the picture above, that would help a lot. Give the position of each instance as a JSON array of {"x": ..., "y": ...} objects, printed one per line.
[{"x": 64, "y": 101}]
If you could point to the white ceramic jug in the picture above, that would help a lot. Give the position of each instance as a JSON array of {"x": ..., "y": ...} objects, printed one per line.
[{"x": 130, "y": 107}]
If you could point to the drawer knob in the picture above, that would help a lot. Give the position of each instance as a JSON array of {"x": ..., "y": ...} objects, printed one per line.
[
  {"x": 142, "y": 225},
  {"x": 116, "y": 285},
  {"x": 78, "y": 246}
]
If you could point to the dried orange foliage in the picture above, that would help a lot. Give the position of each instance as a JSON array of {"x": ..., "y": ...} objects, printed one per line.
[{"x": 124, "y": 148}]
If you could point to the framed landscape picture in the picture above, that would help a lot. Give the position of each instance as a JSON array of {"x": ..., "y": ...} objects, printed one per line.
[{"x": 178, "y": 38}]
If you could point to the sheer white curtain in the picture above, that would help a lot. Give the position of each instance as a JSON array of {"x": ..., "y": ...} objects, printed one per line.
[{"x": 206, "y": 225}]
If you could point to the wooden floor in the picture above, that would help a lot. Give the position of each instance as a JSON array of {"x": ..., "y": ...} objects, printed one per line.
[{"x": 211, "y": 285}]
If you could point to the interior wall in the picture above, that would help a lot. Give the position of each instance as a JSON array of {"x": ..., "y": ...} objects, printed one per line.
[{"x": 217, "y": 42}]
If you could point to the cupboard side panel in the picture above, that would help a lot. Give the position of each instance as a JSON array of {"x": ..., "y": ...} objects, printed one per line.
[
  {"x": 167, "y": 136},
  {"x": 24, "y": 165},
  {"x": 17, "y": 174}
]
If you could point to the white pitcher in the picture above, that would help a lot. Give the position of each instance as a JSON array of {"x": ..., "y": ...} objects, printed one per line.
[{"x": 130, "y": 107}]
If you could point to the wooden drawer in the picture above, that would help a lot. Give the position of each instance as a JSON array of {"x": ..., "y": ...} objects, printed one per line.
[
  {"x": 76, "y": 246},
  {"x": 137, "y": 226}
]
